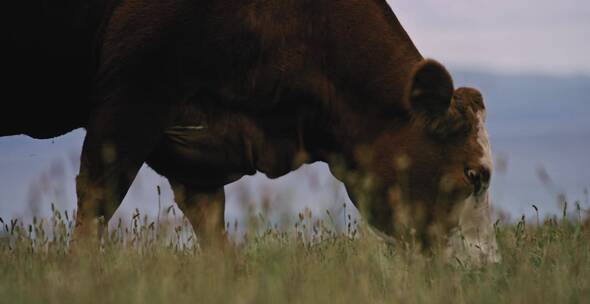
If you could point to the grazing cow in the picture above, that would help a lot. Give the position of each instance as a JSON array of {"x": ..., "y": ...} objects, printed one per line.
[{"x": 207, "y": 91}]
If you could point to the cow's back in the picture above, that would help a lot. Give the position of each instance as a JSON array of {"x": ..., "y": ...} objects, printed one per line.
[{"x": 259, "y": 55}]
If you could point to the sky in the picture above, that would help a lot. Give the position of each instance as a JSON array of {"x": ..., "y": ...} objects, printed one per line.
[
  {"x": 511, "y": 36},
  {"x": 519, "y": 37}
]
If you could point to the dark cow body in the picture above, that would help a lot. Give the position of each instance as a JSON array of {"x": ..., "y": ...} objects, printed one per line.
[
  {"x": 49, "y": 59},
  {"x": 207, "y": 91}
]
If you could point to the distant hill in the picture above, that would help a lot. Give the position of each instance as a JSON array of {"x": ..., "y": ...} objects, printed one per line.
[{"x": 526, "y": 105}]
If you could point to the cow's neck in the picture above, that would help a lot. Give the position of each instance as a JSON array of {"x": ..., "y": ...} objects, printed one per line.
[
  {"x": 369, "y": 55},
  {"x": 370, "y": 58}
]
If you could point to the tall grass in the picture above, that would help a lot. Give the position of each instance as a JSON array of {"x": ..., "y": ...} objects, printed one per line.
[{"x": 547, "y": 262}]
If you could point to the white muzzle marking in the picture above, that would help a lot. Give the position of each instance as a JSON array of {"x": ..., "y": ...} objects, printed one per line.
[{"x": 474, "y": 239}]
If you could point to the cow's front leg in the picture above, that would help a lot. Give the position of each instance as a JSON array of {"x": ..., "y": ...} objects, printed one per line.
[
  {"x": 118, "y": 140},
  {"x": 205, "y": 209}
]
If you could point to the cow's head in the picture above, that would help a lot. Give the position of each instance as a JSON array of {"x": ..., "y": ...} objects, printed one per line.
[{"x": 429, "y": 166}]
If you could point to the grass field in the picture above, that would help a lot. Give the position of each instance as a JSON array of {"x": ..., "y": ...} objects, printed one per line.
[{"x": 548, "y": 263}]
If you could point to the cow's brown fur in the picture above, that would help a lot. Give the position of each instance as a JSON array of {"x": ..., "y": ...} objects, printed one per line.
[{"x": 274, "y": 83}]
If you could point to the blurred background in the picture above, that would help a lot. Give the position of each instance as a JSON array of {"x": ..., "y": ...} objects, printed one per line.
[{"x": 530, "y": 58}]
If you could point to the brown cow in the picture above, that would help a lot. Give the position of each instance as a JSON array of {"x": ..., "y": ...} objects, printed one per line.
[{"x": 207, "y": 91}]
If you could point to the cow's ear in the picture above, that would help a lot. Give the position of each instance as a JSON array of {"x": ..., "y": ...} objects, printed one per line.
[{"x": 431, "y": 88}]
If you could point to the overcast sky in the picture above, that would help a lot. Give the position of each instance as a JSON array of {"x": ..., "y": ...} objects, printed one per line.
[{"x": 516, "y": 36}]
